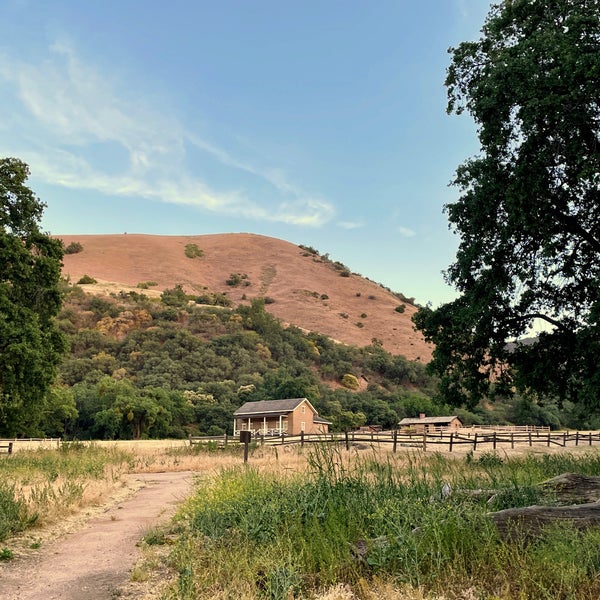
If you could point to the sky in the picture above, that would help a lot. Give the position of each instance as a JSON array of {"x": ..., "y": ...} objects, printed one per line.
[{"x": 319, "y": 122}]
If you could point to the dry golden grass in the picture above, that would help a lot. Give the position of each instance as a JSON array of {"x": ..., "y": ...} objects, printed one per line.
[{"x": 295, "y": 280}]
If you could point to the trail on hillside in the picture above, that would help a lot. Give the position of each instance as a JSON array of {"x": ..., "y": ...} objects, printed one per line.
[{"x": 94, "y": 562}]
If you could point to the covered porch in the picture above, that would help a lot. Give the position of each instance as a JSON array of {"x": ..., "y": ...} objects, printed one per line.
[{"x": 266, "y": 424}]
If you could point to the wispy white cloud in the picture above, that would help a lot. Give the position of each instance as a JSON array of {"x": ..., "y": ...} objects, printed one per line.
[
  {"x": 72, "y": 116},
  {"x": 406, "y": 232},
  {"x": 350, "y": 224}
]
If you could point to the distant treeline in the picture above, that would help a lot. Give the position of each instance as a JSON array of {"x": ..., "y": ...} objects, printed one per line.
[{"x": 147, "y": 367}]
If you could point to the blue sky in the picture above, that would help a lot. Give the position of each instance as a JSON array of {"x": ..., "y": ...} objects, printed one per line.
[{"x": 319, "y": 122}]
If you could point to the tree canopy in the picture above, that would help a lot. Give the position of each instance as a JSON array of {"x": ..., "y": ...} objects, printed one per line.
[
  {"x": 30, "y": 299},
  {"x": 528, "y": 215}
]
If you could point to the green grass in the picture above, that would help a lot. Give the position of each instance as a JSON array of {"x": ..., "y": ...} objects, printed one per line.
[
  {"x": 47, "y": 482},
  {"x": 248, "y": 534},
  {"x": 13, "y": 511}
]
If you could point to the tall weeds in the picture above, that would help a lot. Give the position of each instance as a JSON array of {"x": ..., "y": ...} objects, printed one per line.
[
  {"x": 350, "y": 519},
  {"x": 39, "y": 485}
]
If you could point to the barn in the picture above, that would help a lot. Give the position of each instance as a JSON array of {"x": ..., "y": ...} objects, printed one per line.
[{"x": 425, "y": 424}]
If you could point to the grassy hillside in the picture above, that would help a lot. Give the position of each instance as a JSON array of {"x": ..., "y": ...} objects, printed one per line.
[{"x": 302, "y": 286}]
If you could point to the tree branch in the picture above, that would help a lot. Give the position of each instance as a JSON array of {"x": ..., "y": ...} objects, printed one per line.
[{"x": 543, "y": 317}]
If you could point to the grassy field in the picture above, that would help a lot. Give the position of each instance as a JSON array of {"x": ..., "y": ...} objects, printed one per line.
[{"x": 325, "y": 523}]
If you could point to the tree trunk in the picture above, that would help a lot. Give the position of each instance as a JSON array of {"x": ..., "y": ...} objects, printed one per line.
[
  {"x": 580, "y": 491},
  {"x": 573, "y": 488},
  {"x": 528, "y": 521}
]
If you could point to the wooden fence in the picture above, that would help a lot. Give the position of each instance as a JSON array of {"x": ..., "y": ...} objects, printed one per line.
[
  {"x": 443, "y": 440},
  {"x": 16, "y": 444}
]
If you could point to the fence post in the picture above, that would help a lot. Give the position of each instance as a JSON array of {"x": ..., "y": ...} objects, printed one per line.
[
  {"x": 494, "y": 440},
  {"x": 590, "y": 438},
  {"x": 564, "y": 439},
  {"x": 245, "y": 438},
  {"x": 530, "y": 438},
  {"x": 475, "y": 442},
  {"x": 395, "y": 440},
  {"x": 451, "y": 440},
  {"x": 424, "y": 442},
  {"x": 302, "y": 439},
  {"x": 577, "y": 438},
  {"x": 548, "y": 442},
  {"x": 347, "y": 440},
  {"x": 512, "y": 440}
]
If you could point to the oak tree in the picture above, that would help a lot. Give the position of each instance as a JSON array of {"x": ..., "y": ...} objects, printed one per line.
[
  {"x": 528, "y": 215},
  {"x": 30, "y": 299}
]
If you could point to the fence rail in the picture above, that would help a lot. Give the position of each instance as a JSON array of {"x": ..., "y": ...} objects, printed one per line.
[
  {"x": 508, "y": 427},
  {"x": 11, "y": 445},
  {"x": 442, "y": 440}
]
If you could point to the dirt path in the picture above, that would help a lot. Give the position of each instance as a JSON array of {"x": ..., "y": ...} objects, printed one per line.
[{"x": 94, "y": 562}]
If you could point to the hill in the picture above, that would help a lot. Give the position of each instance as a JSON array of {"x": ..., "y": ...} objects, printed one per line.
[{"x": 302, "y": 287}]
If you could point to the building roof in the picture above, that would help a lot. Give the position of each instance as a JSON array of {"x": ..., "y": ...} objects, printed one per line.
[
  {"x": 270, "y": 407},
  {"x": 428, "y": 420},
  {"x": 318, "y": 419}
]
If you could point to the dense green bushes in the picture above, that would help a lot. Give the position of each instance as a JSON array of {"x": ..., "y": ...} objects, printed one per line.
[
  {"x": 235, "y": 355},
  {"x": 138, "y": 345}
]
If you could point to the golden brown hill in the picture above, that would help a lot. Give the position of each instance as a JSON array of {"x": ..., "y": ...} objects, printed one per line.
[{"x": 306, "y": 290}]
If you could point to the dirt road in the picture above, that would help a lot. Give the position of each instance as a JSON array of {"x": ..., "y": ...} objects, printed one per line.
[{"x": 94, "y": 561}]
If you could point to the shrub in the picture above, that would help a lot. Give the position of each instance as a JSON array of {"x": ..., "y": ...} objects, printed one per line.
[
  {"x": 324, "y": 297},
  {"x": 86, "y": 279},
  {"x": 269, "y": 300},
  {"x": 407, "y": 299},
  {"x": 237, "y": 279},
  {"x": 309, "y": 250},
  {"x": 174, "y": 297},
  {"x": 363, "y": 315},
  {"x": 216, "y": 299},
  {"x": 74, "y": 248},
  {"x": 350, "y": 381},
  {"x": 144, "y": 285},
  {"x": 360, "y": 325},
  {"x": 192, "y": 251},
  {"x": 400, "y": 308}
]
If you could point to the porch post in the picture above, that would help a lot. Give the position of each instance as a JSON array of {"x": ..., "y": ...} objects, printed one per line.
[
  {"x": 280, "y": 423},
  {"x": 264, "y": 425},
  {"x": 234, "y": 424},
  {"x": 249, "y": 423}
]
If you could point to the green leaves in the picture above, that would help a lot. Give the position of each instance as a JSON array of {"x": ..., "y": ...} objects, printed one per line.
[
  {"x": 528, "y": 215},
  {"x": 30, "y": 298}
]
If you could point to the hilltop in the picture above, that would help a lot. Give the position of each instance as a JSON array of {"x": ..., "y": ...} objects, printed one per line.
[{"x": 301, "y": 287}]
